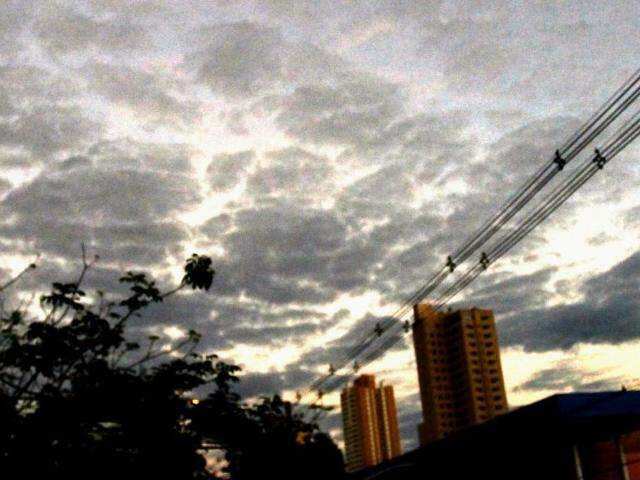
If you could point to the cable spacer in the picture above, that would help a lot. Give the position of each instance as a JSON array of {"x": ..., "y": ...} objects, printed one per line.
[
  {"x": 484, "y": 261},
  {"x": 356, "y": 367},
  {"x": 599, "y": 159},
  {"x": 406, "y": 326},
  {"x": 332, "y": 369},
  {"x": 451, "y": 264},
  {"x": 379, "y": 330},
  {"x": 561, "y": 162}
]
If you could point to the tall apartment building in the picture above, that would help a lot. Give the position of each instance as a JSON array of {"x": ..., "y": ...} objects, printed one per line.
[
  {"x": 370, "y": 423},
  {"x": 459, "y": 370}
]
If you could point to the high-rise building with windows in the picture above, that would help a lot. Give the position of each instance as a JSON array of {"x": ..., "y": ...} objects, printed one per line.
[
  {"x": 459, "y": 370},
  {"x": 370, "y": 423}
]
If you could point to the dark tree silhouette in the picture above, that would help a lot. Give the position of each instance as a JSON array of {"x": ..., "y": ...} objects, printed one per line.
[{"x": 78, "y": 399}]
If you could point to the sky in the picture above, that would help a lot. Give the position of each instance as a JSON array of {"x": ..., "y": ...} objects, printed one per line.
[{"x": 328, "y": 156}]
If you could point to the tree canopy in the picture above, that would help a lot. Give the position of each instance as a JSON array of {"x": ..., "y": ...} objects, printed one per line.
[{"x": 80, "y": 399}]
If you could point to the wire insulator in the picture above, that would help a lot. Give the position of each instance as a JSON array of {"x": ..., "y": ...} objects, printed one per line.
[
  {"x": 558, "y": 160},
  {"x": 379, "y": 330},
  {"x": 599, "y": 159},
  {"x": 451, "y": 264},
  {"x": 484, "y": 261}
]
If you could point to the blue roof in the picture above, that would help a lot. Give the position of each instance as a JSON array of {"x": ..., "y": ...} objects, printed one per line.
[{"x": 580, "y": 405}]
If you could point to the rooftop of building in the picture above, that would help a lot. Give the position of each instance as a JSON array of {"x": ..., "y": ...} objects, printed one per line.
[{"x": 561, "y": 419}]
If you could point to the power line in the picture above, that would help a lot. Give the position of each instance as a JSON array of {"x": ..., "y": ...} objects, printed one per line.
[
  {"x": 626, "y": 95},
  {"x": 614, "y": 146}
]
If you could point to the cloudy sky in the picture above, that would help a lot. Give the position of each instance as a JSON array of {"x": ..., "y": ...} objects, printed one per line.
[{"x": 328, "y": 155}]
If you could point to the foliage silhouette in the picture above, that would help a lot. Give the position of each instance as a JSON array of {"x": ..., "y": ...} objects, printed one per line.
[{"x": 80, "y": 400}]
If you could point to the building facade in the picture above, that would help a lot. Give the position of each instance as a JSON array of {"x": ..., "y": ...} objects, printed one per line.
[
  {"x": 370, "y": 423},
  {"x": 459, "y": 370}
]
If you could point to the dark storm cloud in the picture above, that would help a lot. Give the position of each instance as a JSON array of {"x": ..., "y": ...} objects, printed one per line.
[
  {"x": 435, "y": 143},
  {"x": 408, "y": 426},
  {"x": 235, "y": 120},
  {"x": 64, "y": 30},
  {"x": 515, "y": 293},
  {"x": 632, "y": 216},
  {"x": 125, "y": 195},
  {"x": 409, "y": 417},
  {"x": 24, "y": 85},
  {"x": 341, "y": 22},
  {"x": 332, "y": 421},
  {"x": 608, "y": 314},
  {"x": 510, "y": 161},
  {"x": 600, "y": 239},
  {"x": 44, "y": 130},
  {"x": 241, "y": 58},
  {"x": 140, "y": 8},
  {"x": 262, "y": 324},
  {"x": 150, "y": 95},
  {"x": 349, "y": 113},
  {"x": 349, "y": 11},
  {"x": 254, "y": 384},
  {"x": 165, "y": 158},
  {"x": 489, "y": 47},
  {"x": 216, "y": 226},
  {"x": 245, "y": 58},
  {"x": 276, "y": 334},
  {"x": 37, "y": 115},
  {"x": 226, "y": 169},
  {"x": 377, "y": 196},
  {"x": 5, "y": 185},
  {"x": 118, "y": 198},
  {"x": 361, "y": 337},
  {"x": 402, "y": 235},
  {"x": 284, "y": 252},
  {"x": 534, "y": 52},
  {"x": 12, "y": 22},
  {"x": 294, "y": 173},
  {"x": 565, "y": 376},
  {"x": 521, "y": 151}
]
